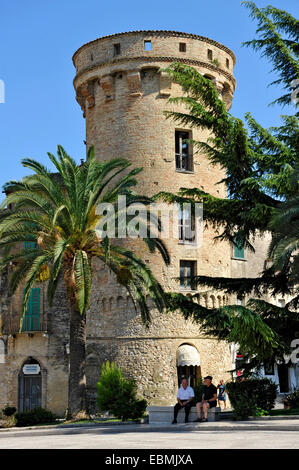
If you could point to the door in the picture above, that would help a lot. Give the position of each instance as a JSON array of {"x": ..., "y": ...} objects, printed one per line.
[
  {"x": 283, "y": 375},
  {"x": 30, "y": 392}
]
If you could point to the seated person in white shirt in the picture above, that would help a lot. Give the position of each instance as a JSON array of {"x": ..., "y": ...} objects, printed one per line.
[{"x": 185, "y": 397}]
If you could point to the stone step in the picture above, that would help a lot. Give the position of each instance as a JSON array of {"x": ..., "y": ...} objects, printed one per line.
[{"x": 164, "y": 414}]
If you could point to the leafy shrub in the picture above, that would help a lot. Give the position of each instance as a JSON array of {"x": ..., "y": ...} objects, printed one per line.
[
  {"x": 35, "y": 416},
  {"x": 244, "y": 407},
  {"x": 198, "y": 391},
  {"x": 261, "y": 412},
  {"x": 293, "y": 398},
  {"x": 118, "y": 395},
  {"x": 8, "y": 422},
  {"x": 9, "y": 410},
  {"x": 247, "y": 396}
]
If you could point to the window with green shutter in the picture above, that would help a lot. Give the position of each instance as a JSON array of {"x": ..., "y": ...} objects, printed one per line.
[
  {"x": 31, "y": 320},
  {"x": 30, "y": 245},
  {"x": 238, "y": 249}
]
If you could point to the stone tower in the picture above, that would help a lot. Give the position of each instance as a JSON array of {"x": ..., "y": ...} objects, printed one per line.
[{"x": 123, "y": 93}]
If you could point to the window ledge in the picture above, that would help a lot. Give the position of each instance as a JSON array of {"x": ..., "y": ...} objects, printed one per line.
[
  {"x": 190, "y": 172},
  {"x": 191, "y": 291},
  {"x": 180, "y": 242},
  {"x": 239, "y": 259}
]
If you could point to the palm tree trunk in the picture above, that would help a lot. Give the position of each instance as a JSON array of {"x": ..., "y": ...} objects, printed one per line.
[{"x": 77, "y": 402}]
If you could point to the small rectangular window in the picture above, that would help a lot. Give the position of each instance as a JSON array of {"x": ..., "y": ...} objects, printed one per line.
[
  {"x": 227, "y": 63},
  {"x": 183, "y": 154},
  {"x": 269, "y": 367},
  {"x": 210, "y": 54},
  {"x": 30, "y": 244},
  {"x": 116, "y": 48},
  {"x": 281, "y": 303},
  {"x": 182, "y": 47},
  {"x": 147, "y": 45},
  {"x": 187, "y": 272},
  {"x": 186, "y": 224},
  {"x": 238, "y": 249}
]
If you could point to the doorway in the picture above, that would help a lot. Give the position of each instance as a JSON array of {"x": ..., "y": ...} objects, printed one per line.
[
  {"x": 283, "y": 376},
  {"x": 30, "y": 387}
]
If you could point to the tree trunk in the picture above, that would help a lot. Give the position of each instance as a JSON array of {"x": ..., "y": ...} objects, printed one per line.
[{"x": 77, "y": 402}]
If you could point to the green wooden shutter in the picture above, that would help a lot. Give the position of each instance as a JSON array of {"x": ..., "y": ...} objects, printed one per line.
[
  {"x": 31, "y": 320},
  {"x": 238, "y": 249},
  {"x": 30, "y": 245}
]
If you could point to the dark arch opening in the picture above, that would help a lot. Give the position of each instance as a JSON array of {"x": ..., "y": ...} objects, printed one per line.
[
  {"x": 30, "y": 385},
  {"x": 192, "y": 372}
]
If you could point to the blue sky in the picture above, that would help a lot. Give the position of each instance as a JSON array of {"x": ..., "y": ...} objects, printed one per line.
[{"x": 38, "y": 39}]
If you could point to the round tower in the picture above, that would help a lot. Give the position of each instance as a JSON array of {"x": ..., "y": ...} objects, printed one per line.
[{"x": 123, "y": 93}]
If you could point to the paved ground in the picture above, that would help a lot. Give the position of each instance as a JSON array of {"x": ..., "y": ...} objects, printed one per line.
[{"x": 258, "y": 435}]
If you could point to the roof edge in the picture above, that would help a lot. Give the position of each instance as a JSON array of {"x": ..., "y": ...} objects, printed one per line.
[{"x": 169, "y": 32}]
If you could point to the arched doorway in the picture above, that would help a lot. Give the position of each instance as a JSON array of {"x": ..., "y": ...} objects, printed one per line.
[
  {"x": 30, "y": 385},
  {"x": 188, "y": 364}
]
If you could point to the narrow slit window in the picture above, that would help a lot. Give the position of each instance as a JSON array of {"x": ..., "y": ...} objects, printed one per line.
[
  {"x": 210, "y": 54},
  {"x": 182, "y": 47},
  {"x": 116, "y": 49},
  {"x": 147, "y": 45},
  {"x": 227, "y": 63}
]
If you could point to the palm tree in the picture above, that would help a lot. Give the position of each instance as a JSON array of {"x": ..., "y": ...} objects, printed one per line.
[{"x": 60, "y": 210}]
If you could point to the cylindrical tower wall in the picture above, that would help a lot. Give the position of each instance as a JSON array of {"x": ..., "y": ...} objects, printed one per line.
[{"x": 123, "y": 94}]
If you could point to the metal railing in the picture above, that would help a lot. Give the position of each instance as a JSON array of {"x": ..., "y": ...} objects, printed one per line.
[{"x": 31, "y": 323}]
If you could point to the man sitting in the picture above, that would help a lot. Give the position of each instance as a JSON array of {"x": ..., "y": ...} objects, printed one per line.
[
  {"x": 209, "y": 399},
  {"x": 185, "y": 397}
]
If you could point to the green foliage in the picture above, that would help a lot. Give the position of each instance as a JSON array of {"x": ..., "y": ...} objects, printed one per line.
[
  {"x": 9, "y": 411},
  {"x": 35, "y": 416},
  {"x": 61, "y": 211},
  {"x": 198, "y": 391},
  {"x": 282, "y": 52},
  {"x": 261, "y": 176},
  {"x": 293, "y": 399},
  {"x": 249, "y": 396},
  {"x": 261, "y": 412},
  {"x": 118, "y": 395}
]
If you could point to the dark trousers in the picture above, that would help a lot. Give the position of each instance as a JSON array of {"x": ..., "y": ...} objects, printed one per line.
[{"x": 178, "y": 407}]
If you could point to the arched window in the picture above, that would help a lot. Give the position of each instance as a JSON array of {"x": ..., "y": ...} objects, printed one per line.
[
  {"x": 188, "y": 364},
  {"x": 30, "y": 385}
]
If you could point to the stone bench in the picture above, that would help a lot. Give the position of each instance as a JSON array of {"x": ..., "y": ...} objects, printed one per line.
[{"x": 164, "y": 414}]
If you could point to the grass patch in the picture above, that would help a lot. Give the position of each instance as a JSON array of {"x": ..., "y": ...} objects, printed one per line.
[{"x": 291, "y": 412}]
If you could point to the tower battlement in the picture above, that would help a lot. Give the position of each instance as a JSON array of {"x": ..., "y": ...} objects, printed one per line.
[{"x": 101, "y": 63}]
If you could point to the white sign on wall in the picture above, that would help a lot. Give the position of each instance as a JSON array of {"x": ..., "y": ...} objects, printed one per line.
[{"x": 31, "y": 369}]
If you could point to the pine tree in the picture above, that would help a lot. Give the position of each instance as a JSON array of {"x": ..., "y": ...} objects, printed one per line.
[{"x": 262, "y": 186}]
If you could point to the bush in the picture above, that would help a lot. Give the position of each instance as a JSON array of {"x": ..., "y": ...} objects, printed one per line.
[
  {"x": 118, "y": 395},
  {"x": 9, "y": 410},
  {"x": 198, "y": 391},
  {"x": 8, "y": 422},
  {"x": 260, "y": 412},
  {"x": 293, "y": 399},
  {"x": 247, "y": 396},
  {"x": 35, "y": 416}
]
